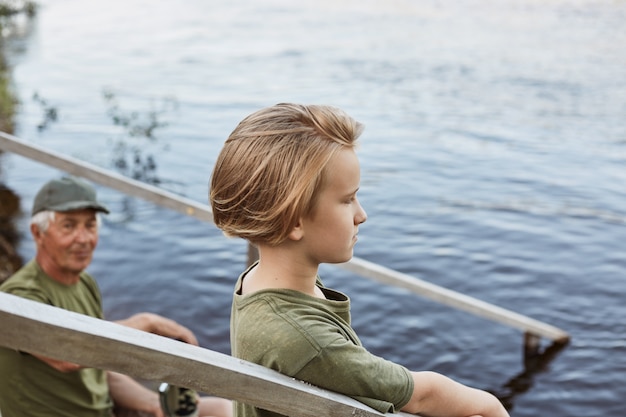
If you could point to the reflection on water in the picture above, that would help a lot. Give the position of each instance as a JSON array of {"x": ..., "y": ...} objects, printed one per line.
[
  {"x": 131, "y": 154},
  {"x": 535, "y": 361},
  {"x": 50, "y": 113},
  {"x": 541, "y": 209}
]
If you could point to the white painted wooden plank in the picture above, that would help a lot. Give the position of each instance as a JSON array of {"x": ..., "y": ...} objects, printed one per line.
[
  {"x": 42, "y": 329},
  {"x": 107, "y": 178},
  {"x": 454, "y": 299},
  {"x": 359, "y": 266}
]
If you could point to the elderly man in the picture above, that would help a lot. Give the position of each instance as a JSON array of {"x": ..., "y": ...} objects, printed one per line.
[{"x": 64, "y": 226}]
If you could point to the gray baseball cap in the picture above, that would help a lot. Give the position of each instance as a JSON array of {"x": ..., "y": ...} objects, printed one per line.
[{"x": 67, "y": 194}]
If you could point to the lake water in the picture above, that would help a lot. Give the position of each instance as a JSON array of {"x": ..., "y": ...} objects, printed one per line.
[{"x": 493, "y": 164}]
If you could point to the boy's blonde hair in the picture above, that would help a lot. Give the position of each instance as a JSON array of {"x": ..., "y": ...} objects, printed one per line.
[{"x": 271, "y": 168}]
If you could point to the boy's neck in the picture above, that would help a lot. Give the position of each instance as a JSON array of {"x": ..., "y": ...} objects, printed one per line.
[{"x": 278, "y": 270}]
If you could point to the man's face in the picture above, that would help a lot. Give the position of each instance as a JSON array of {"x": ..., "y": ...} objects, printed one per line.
[{"x": 66, "y": 248}]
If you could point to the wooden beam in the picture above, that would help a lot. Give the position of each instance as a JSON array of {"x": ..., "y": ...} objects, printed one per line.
[
  {"x": 107, "y": 178},
  {"x": 359, "y": 266},
  {"x": 38, "y": 328},
  {"x": 454, "y": 299}
]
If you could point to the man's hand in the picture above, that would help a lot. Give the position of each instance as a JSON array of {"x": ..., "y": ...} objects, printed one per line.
[
  {"x": 153, "y": 323},
  {"x": 130, "y": 394}
]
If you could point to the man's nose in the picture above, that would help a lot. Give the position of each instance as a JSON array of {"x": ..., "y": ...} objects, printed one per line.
[{"x": 83, "y": 234}]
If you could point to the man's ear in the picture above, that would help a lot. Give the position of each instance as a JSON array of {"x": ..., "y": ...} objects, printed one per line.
[
  {"x": 297, "y": 232},
  {"x": 34, "y": 230}
]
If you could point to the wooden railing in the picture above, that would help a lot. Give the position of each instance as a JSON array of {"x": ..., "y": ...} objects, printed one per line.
[
  {"x": 41, "y": 329},
  {"x": 532, "y": 329}
]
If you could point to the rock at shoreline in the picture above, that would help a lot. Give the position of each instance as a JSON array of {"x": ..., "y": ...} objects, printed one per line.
[{"x": 10, "y": 260}]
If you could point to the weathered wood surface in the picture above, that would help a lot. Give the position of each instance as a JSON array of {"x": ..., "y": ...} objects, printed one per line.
[
  {"x": 107, "y": 178},
  {"x": 454, "y": 299},
  {"x": 42, "y": 329},
  {"x": 203, "y": 212}
]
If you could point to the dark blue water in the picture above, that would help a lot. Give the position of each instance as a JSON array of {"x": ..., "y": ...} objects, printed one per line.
[{"x": 493, "y": 164}]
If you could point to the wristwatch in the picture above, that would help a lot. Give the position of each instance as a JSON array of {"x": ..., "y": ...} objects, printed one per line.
[{"x": 178, "y": 401}]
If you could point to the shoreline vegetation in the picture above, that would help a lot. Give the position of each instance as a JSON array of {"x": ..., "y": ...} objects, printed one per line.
[
  {"x": 130, "y": 157},
  {"x": 10, "y": 12}
]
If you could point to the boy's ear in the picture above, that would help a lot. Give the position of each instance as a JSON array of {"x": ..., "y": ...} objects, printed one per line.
[{"x": 297, "y": 232}]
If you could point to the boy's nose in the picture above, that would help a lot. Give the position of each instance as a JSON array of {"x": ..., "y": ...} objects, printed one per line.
[{"x": 361, "y": 216}]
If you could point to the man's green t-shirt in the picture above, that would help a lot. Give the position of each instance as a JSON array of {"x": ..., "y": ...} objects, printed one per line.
[
  {"x": 30, "y": 387},
  {"x": 311, "y": 339}
]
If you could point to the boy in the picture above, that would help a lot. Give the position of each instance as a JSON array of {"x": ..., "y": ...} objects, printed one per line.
[{"x": 287, "y": 180}]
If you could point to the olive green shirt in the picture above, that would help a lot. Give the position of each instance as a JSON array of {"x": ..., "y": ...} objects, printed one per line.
[
  {"x": 30, "y": 387},
  {"x": 311, "y": 339}
]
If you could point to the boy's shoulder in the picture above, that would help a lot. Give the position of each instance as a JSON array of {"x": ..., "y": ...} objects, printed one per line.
[{"x": 297, "y": 320}]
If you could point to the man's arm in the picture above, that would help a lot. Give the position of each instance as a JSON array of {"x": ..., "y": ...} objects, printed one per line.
[
  {"x": 124, "y": 391},
  {"x": 128, "y": 393},
  {"x": 160, "y": 325},
  {"x": 437, "y": 395},
  {"x": 60, "y": 366},
  {"x": 147, "y": 322}
]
